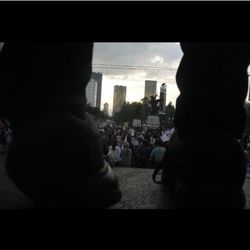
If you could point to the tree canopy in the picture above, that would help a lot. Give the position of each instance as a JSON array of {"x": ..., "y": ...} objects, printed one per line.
[
  {"x": 96, "y": 113},
  {"x": 141, "y": 110}
]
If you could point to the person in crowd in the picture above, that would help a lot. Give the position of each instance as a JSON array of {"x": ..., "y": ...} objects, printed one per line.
[
  {"x": 106, "y": 150},
  {"x": 157, "y": 154},
  {"x": 115, "y": 153},
  {"x": 126, "y": 155},
  {"x": 143, "y": 154}
]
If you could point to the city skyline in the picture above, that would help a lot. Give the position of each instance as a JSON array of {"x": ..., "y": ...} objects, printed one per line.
[
  {"x": 119, "y": 97},
  {"x": 97, "y": 77},
  {"x": 142, "y": 54},
  {"x": 150, "y": 55},
  {"x": 91, "y": 92},
  {"x": 150, "y": 88},
  {"x": 106, "y": 108}
]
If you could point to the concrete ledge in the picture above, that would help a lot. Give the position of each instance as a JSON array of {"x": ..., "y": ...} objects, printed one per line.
[{"x": 138, "y": 190}]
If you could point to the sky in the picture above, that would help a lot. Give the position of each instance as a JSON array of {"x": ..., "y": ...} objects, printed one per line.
[{"x": 137, "y": 54}]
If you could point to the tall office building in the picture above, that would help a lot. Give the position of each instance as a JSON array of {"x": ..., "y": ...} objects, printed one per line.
[
  {"x": 97, "y": 77},
  {"x": 150, "y": 88},
  {"x": 91, "y": 92},
  {"x": 106, "y": 108},
  {"x": 163, "y": 97},
  {"x": 119, "y": 98}
]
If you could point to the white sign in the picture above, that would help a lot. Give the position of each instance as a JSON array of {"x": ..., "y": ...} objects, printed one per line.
[
  {"x": 167, "y": 135},
  {"x": 136, "y": 123}
]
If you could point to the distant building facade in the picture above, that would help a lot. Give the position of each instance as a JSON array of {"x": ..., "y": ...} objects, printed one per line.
[
  {"x": 91, "y": 92},
  {"x": 163, "y": 98},
  {"x": 119, "y": 98},
  {"x": 150, "y": 88},
  {"x": 97, "y": 77},
  {"x": 106, "y": 108}
]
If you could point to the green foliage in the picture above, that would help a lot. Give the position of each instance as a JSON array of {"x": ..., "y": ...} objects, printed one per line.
[
  {"x": 96, "y": 113},
  {"x": 168, "y": 119},
  {"x": 140, "y": 110},
  {"x": 130, "y": 111}
]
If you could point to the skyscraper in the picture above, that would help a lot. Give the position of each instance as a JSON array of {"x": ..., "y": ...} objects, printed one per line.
[
  {"x": 150, "y": 88},
  {"x": 106, "y": 108},
  {"x": 163, "y": 97},
  {"x": 91, "y": 92},
  {"x": 98, "y": 78},
  {"x": 119, "y": 97}
]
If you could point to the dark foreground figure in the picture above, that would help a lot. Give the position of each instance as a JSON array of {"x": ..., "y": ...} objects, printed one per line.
[
  {"x": 55, "y": 157},
  {"x": 205, "y": 165}
]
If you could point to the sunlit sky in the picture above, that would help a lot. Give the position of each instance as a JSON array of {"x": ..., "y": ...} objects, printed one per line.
[{"x": 137, "y": 54}]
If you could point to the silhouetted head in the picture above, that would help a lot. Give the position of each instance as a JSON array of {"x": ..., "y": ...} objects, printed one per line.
[
  {"x": 47, "y": 67},
  {"x": 39, "y": 78}
]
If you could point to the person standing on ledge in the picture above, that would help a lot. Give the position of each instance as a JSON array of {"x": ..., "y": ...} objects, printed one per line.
[{"x": 55, "y": 157}]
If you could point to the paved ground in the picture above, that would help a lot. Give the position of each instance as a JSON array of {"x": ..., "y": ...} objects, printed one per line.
[{"x": 139, "y": 192}]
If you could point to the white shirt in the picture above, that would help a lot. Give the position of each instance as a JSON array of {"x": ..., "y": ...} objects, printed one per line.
[{"x": 115, "y": 154}]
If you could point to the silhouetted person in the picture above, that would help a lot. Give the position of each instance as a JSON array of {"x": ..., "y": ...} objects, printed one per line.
[
  {"x": 205, "y": 164},
  {"x": 143, "y": 154},
  {"x": 154, "y": 105},
  {"x": 115, "y": 153},
  {"x": 55, "y": 157},
  {"x": 126, "y": 155},
  {"x": 157, "y": 154}
]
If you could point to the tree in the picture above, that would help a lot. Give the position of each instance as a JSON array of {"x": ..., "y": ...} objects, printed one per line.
[
  {"x": 141, "y": 110},
  {"x": 96, "y": 113},
  {"x": 168, "y": 120},
  {"x": 130, "y": 111}
]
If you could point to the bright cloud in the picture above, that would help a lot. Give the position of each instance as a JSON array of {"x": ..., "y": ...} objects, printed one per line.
[
  {"x": 157, "y": 59},
  {"x": 137, "y": 54}
]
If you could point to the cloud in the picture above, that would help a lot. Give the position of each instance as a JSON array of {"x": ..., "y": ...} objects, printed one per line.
[
  {"x": 157, "y": 59},
  {"x": 125, "y": 55},
  {"x": 136, "y": 53}
]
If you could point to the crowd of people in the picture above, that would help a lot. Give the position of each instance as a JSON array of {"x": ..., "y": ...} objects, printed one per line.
[
  {"x": 134, "y": 147},
  {"x": 139, "y": 148},
  {"x": 126, "y": 147}
]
